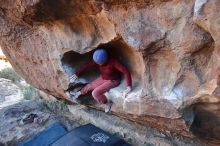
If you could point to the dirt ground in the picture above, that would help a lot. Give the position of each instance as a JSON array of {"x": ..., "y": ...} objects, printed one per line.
[{"x": 12, "y": 131}]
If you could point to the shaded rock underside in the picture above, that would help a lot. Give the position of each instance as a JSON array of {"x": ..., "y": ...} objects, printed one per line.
[{"x": 171, "y": 48}]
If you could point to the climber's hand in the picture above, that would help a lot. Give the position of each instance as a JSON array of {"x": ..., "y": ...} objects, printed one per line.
[
  {"x": 126, "y": 91},
  {"x": 78, "y": 94},
  {"x": 73, "y": 78}
]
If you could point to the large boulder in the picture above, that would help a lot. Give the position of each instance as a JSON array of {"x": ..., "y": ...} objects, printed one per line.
[{"x": 171, "y": 48}]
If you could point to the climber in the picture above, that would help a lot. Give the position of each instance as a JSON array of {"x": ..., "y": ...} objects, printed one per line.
[{"x": 110, "y": 78}]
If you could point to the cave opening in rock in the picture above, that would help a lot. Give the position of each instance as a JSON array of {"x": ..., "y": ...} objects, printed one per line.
[
  {"x": 204, "y": 120},
  {"x": 126, "y": 55}
]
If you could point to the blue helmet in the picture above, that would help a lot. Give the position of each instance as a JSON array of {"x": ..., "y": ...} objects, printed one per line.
[{"x": 100, "y": 56}]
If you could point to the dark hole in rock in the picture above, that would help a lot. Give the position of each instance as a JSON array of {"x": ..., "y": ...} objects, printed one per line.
[
  {"x": 71, "y": 62},
  {"x": 131, "y": 59},
  {"x": 204, "y": 120}
]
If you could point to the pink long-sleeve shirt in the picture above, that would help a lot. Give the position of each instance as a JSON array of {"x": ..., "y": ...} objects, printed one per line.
[{"x": 109, "y": 70}]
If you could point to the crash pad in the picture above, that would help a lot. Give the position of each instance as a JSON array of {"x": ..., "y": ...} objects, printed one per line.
[
  {"x": 89, "y": 135},
  {"x": 46, "y": 137}
]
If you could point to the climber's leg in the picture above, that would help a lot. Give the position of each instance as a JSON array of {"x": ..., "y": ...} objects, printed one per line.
[
  {"x": 99, "y": 91},
  {"x": 91, "y": 86}
]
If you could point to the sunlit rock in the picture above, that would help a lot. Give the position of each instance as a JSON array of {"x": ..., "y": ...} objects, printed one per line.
[{"x": 171, "y": 48}]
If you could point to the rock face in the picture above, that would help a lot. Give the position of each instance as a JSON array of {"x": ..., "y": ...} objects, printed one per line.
[
  {"x": 9, "y": 93},
  {"x": 171, "y": 48}
]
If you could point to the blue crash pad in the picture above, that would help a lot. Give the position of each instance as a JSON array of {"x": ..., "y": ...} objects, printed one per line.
[
  {"x": 46, "y": 137},
  {"x": 89, "y": 135}
]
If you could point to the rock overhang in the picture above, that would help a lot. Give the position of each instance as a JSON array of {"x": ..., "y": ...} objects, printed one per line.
[{"x": 175, "y": 54}]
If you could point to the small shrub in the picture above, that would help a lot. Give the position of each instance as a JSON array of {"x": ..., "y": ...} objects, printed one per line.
[
  {"x": 10, "y": 74},
  {"x": 57, "y": 106},
  {"x": 148, "y": 144},
  {"x": 29, "y": 92}
]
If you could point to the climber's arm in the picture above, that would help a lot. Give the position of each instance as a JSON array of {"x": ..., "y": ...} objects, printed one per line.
[
  {"x": 124, "y": 71},
  {"x": 85, "y": 67},
  {"x": 74, "y": 77},
  {"x": 127, "y": 75}
]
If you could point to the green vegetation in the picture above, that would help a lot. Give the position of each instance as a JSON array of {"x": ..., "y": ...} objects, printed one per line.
[
  {"x": 10, "y": 74},
  {"x": 57, "y": 105},
  {"x": 148, "y": 144},
  {"x": 29, "y": 92}
]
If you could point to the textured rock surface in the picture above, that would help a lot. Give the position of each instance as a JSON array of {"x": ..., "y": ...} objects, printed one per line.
[
  {"x": 9, "y": 93},
  {"x": 134, "y": 133},
  {"x": 171, "y": 47}
]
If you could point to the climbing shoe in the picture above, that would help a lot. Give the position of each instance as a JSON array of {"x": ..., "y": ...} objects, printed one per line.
[
  {"x": 74, "y": 96},
  {"x": 108, "y": 106}
]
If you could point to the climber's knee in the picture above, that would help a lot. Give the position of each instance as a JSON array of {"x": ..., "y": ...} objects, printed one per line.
[{"x": 99, "y": 96}]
